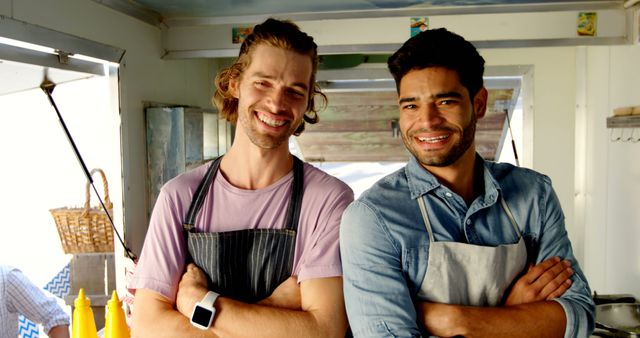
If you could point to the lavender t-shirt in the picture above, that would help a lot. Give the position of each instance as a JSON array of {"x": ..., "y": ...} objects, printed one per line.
[{"x": 227, "y": 208}]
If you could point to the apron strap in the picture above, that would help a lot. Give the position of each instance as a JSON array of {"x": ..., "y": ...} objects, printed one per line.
[
  {"x": 295, "y": 205},
  {"x": 198, "y": 196},
  {"x": 511, "y": 218},
  {"x": 425, "y": 217}
]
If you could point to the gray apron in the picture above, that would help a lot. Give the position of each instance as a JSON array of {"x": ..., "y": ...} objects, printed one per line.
[
  {"x": 468, "y": 274},
  {"x": 246, "y": 265}
]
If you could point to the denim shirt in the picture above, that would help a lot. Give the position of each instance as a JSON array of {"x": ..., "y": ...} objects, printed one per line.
[{"x": 384, "y": 243}]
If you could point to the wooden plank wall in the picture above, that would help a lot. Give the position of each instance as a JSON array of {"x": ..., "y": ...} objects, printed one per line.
[{"x": 356, "y": 127}]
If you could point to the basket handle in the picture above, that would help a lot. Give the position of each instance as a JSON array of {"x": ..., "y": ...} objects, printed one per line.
[{"x": 107, "y": 201}]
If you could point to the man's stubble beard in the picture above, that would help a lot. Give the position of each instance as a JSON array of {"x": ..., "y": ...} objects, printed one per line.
[
  {"x": 456, "y": 151},
  {"x": 261, "y": 140}
]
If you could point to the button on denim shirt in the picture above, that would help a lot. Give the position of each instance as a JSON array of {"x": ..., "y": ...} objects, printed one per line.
[{"x": 385, "y": 246}]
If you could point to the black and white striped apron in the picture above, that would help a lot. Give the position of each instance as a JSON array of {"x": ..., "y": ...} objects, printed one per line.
[{"x": 245, "y": 265}]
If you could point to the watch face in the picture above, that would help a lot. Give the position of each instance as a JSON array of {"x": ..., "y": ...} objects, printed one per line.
[{"x": 202, "y": 316}]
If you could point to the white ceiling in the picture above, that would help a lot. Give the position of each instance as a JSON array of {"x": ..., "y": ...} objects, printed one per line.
[
  {"x": 219, "y": 8},
  {"x": 159, "y": 12}
]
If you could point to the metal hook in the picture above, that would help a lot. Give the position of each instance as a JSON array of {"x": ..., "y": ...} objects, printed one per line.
[
  {"x": 630, "y": 137},
  {"x": 611, "y": 135},
  {"x": 637, "y": 139}
]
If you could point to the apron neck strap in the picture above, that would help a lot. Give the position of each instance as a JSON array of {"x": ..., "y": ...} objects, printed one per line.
[
  {"x": 510, "y": 215},
  {"x": 201, "y": 192},
  {"x": 295, "y": 204},
  {"x": 425, "y": 217},
  {"x": 293, "y": 211}
]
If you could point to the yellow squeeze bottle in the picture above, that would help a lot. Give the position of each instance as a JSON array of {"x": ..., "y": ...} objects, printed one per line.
[
  {"x": 116, "y": 324},
  {"x": 83, "y": 325}
]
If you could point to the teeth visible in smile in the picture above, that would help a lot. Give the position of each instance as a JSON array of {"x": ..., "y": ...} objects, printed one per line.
[
  {"x": 432, "y": 139},
  {"x": 271, "y": 122}
]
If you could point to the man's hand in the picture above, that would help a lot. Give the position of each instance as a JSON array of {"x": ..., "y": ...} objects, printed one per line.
[
  {"x": 192, "y": 288},
  {"x": 60, "y": 331},
  {"x": 439, "y": 319},
  {"x": 286, "y": 295},
  {"x": 545, "y": 281}
]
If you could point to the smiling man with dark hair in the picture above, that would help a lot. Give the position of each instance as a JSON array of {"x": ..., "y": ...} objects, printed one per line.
[{"x": 446, "y": 246}]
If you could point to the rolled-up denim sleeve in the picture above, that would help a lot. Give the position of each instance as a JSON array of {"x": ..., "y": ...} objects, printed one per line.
[
  {"x": 377, "y": 297},
  {"x": 577, "y": 302}
]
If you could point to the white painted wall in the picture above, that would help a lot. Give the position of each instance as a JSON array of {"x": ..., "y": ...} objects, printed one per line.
[
  {"x": 553, "y": 116},
  {"x": 144, "y": 76},
  {"x": 608, "y": 184}
]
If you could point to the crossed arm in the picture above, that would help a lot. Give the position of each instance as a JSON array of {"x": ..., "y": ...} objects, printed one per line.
[
  {"x": 528, "y": 308},
  {"x": 379, "y": 291},
  {"x": 313, "y": 309}
]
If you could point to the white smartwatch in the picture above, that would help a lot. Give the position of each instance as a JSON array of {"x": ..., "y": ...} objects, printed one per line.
[{"x": 204, "y": 311}]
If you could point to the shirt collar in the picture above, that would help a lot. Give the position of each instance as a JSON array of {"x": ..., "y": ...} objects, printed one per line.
[
  {"x": 421, "y": 181},
  {"x": 491, "y": 186}
]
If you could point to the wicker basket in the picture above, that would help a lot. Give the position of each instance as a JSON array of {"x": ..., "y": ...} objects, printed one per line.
[{"x": 87, "y": 229}]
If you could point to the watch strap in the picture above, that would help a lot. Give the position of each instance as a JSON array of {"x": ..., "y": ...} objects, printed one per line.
[{"x": 209, "y": 299}]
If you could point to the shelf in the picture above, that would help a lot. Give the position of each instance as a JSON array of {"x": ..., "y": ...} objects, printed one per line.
[{"x": 631, "y": 121}]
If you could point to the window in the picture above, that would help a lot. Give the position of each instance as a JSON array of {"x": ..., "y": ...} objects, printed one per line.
[{"x": 39, "y": 169}]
